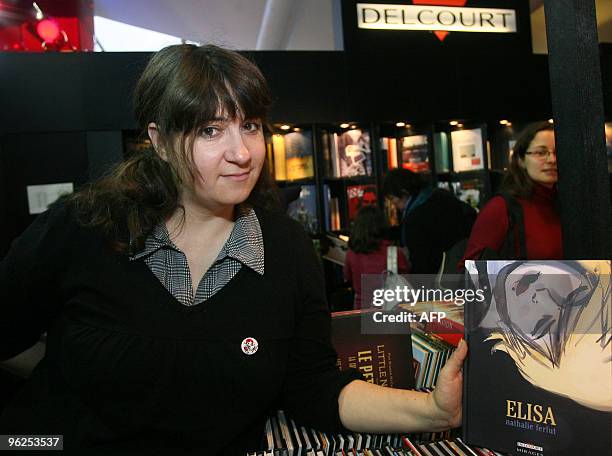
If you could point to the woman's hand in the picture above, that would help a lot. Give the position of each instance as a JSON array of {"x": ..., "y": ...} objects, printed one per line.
[
  {"x": 446, "y": 398},
  {"x": 365, "y": 407}
]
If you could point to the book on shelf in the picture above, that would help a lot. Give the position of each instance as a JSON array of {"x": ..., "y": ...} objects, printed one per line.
[
  {"x": 383, "y": 359},
  {"x": 391, "y": 213},
  {"x": 299, "y": 154},
  {"x": 359, "y": 196},
  {"x": 415, "y": 153},
  {"x": 278, "y": 148},
  {"x": 469, "y": 196},
  {"x": 331, "y": 208},
  {"x": 350, "y": 153},
  {"x": 326, "y": 151},
  {"x": 470, "y": 191},
  {"x": 388, "y": 147},
  {"x": 304, "y": 209},
  {"x": 538, "y": 377},
  {"x": 293, "y": 155},
  {"x": 468, "y": 151},
  {"x": 441, "y": 152}
]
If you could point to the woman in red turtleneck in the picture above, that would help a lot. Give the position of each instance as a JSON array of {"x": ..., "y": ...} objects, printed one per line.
[{"x": 531, "y": 180}]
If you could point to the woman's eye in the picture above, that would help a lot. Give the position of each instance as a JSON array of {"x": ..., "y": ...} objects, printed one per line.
[
  {"x": 251, "y": 126},
  {"x": 209, "y": 132}
]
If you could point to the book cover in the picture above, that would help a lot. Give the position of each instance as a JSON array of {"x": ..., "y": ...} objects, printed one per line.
[
  {"x": 469, "y": 196},
  {"x": 359, "y": 196},
  {"x": 470, "y": 191},
  {"x": 468, "y": 152},
  {"x": 304, "y": 209},
  {"x": 327, "y": 207},
  {"x": 415, "y": 153},
  {"x": 280, "y": 166},
  {"x": 354, "y": 153},
  {"x": 326, "y": 152},
  {"x": 298, "y": 155},
  {"x": 383, "y": 359},
  {"x": 538, "y": 378},
  {"x": 336, "y": 224},
  {"x": 335, "y": 155},
  {"x": 388, "y": 147}
]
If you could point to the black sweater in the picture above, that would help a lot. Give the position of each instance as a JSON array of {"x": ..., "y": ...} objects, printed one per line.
[{"x": 128, "y": 367}]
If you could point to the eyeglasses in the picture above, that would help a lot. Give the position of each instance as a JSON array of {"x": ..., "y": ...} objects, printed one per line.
[{"x": 541, "y": 153}]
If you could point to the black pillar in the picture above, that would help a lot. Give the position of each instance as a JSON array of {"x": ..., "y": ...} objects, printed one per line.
[{"x": 577, "y": 101}]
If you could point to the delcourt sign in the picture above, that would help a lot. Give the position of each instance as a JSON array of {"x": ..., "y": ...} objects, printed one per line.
[{"x": 433, "y": 18}]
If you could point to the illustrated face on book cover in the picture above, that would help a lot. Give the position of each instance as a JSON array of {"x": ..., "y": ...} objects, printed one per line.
[
  {"x": 354, "y": 147},
  {"x": 554, "y": 319}
]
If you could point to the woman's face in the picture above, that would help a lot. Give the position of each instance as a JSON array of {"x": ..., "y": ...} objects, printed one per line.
[
  {"x": 228, "y": 155},
  {"x": 540, "y": 160}
]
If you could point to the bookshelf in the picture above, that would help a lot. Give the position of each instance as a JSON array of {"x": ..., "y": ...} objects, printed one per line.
[{"x": 346, "y": 163}]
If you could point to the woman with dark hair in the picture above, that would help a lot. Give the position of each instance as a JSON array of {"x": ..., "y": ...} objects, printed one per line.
[
  {"x": 178, "y": 309},
  {"x": 368, "y": 249},
  {"x": 523, "y": 222},
  {"x": 432, "y": 220}
]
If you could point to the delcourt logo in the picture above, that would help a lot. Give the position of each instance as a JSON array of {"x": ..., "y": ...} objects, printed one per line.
[
  {"x": 441, "y": 34},
  {"x": 438, "y": 16}
]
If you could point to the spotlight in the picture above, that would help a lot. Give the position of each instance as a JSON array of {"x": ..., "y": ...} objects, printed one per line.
[
  {"x": 344, "y": 125},
  {"x": 400, "y": 124},
  {"x": 48, "y": 30},
  {"x": 285, "y": 127},
  {"x": 453, "y": 123}
]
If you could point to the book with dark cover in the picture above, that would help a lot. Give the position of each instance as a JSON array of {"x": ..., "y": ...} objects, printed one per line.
[
  {"x": 538, "y": 377},
  {"x": 383, "y": 359}
]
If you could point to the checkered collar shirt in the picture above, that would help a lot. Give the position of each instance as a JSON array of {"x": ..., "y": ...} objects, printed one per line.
[{"x": 168, "y": 263}]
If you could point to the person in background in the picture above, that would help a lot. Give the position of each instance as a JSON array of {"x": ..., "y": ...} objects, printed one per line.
[
  {"x": 368, "y": 250},
  {"x": 523, "y": 221},
  {"x": 431, "y": 221},
  {"x": 180, "y": 310}
]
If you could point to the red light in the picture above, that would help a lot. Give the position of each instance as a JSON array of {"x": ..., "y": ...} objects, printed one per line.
[{"x": 48, "y": 30}]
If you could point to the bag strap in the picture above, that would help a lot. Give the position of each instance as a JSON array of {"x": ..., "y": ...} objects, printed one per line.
[
  {"x": 392, "y": 259},
  {"x": 516, "y": 228}
]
